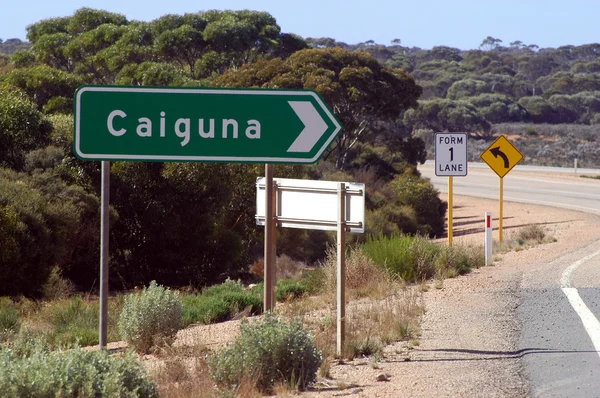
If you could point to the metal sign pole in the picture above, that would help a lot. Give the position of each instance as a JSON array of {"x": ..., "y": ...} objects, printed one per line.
[
  {"x": 269, "y": 226},
  {"x": 501, "y": 208},
  {"x": 341, "y": 269},
  {"x": 104, "y": 253},
  {"x": 450, "y": 207}
]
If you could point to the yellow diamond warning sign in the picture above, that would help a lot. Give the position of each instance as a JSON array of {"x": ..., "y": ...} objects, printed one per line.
[{"x": 501, "y": 156}]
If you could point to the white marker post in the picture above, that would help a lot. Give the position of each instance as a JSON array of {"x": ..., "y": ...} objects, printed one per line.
[{"x": 488, "y": 238}]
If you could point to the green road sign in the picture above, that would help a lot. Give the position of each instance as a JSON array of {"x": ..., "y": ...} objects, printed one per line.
[{"x": 205, "y": 125}]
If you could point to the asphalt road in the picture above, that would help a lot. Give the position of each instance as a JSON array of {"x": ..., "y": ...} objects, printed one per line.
[
  {"x": 559, "y": 301},
  {"x": 528, "y": 185}
]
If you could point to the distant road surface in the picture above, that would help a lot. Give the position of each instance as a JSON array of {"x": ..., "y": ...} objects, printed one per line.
[
  {"x": 559, "y": 300},
  {"x": 550, "y": 186}
]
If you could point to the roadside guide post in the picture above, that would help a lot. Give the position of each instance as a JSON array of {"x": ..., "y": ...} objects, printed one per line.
[
  {"x": 174, "y": 124},
  {"x": 488, "y": 238},
  {"x": 501, "y": 157},
  {"x": 451, "y": 161}
]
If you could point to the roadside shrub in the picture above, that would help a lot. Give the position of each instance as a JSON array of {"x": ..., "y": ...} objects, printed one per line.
[
  {"x": 457, "y": 260},
  {"x": 219, "y": 303},
  {"x": 313, "y": 280},
  {"x": 57, "y": 287},
  {"x": 72, "y": 373},
  {"x": 74, "y": 321},
  {"x": 363, "y": 276},
  {"x": 289, "y": 289},
  {"x": 151, "y": 316},
  {"x": 9, "y": 318},
  {"x": 421, "y": 195},
  {"x": 268, "y": 351},
  {"x": 22, "y": 127},
  {"x": 71, "y": 322},
  {"x": 417, "y": 258},
  {"x": 44, "y": 222},
  {"x": 393, "y": 253},
  {"x": 285, "y": 290},
  {"x": 532, "y": 232},
  {"x": 391, "y": 219}
]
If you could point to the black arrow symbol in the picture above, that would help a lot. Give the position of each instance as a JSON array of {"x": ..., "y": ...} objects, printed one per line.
[{"x": 497, "y": 152}]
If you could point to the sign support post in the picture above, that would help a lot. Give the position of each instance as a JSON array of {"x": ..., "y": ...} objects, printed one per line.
[
  {"x": 501, "y": 156},
  {"x": 104, "y": 253},
  {"x": 451, "y": 161},
  {"x": 501, "y": 209},
  {"x": 341, "y": 269},
  {"x": 450, "y": 206},
  {"x": 269, "y": 244}
]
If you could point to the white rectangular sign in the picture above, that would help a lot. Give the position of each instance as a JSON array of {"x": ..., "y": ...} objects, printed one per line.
[
  {"x": 309, "y": 204},
  {"x": 451, "y": 154}
]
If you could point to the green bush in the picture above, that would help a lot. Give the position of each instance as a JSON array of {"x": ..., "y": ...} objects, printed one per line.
[
  {"x": 9, "y": 318},
  {"x": 391, "y": 219},
  {"x": 44, "y": 222},
  {"x": 268, "y": 351},
  {"x": 71, "y": 322},
  {"x": 313, "y": 281},
  {"x": 22, "y": 127},
  {"x": 421, "y": 195},
  {"x": 417, "y": 258},
  {"x": 393, "y": 253},
  {"x": 150, "y": 316},
  {"x": 72, "y": 373},
  {"x": 74, "y": 321},
  {"x": 289, "y": 289},
  {"x": 219, "y": 303}
]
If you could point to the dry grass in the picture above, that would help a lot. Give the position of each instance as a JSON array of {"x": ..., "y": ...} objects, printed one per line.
[
  {"x": 286, "y": 267},
  {"x": 183, "y": 372},
  {"x": 380, "y": 309},
  {"x": 363, "y": 277},
  {"x": 370, "y": 325},
  {"x": 526, "y": 237}
]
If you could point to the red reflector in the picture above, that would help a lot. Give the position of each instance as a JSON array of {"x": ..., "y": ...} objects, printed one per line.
[{"x": 488, "y": 221}]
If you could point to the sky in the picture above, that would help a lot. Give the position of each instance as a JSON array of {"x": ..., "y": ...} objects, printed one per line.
[{"x": 462, "y": 24}]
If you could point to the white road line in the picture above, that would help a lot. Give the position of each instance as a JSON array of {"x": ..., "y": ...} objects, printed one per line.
[{"x": 590, "y": 322}]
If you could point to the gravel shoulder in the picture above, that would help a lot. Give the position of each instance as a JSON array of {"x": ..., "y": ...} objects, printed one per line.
[{"x": 470, "y": 331}]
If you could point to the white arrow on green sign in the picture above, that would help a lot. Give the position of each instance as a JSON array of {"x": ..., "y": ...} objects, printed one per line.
[{"x": 205, "y": 125}]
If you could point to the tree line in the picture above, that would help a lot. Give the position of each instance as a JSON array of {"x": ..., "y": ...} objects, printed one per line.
[
  {"x": 186, "y": 224},
  {"x": 471, "y": 90}
]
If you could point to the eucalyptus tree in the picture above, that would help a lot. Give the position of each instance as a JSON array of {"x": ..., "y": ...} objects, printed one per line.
[
  {"x": 446, "y": 115},
  {"x": 360, "y": 91}
]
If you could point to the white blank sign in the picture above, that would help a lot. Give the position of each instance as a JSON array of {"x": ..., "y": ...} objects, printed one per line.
[{"x": 309, "y": 204}]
